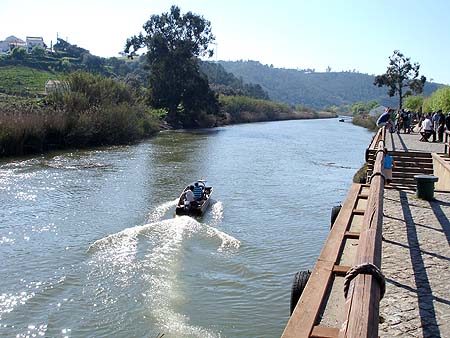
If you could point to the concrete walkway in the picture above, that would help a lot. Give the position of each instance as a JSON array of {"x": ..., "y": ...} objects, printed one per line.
[{"x": 416, "y": 257}]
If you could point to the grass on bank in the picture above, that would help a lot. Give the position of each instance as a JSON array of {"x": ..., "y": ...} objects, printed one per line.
[
  {"x": 365, "y": 120},
  {"x": 24, "y": 81},
  {"x": 243, "y": 109}
]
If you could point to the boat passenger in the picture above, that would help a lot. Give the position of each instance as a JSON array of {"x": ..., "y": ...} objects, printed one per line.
[
  {"x": 198, "y": 192},
  {"x": 189, "y": 196}
]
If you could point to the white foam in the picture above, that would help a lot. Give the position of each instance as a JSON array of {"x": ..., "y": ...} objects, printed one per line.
[
  {"x": 161, "y": 210},
  {"x": 161, "y": 265}
]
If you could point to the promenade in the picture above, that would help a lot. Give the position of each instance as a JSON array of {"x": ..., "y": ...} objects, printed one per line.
[{"x": 415, "y": 256}]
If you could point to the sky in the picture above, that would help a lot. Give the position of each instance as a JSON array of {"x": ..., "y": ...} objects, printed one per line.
[{"x": 344, "y": 35}]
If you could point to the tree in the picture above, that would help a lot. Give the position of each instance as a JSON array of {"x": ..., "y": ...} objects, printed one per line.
[
  {"x": 174, "y": 43},
  {"x": 19, "y": 53},
  {"x": 38, "y": 52},
  {"x": 401, "y": 77},
  {"x": 414, "y": 103}
]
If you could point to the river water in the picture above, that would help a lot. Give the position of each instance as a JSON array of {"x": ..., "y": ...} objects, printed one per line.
[{"x": 90, "y": 246}]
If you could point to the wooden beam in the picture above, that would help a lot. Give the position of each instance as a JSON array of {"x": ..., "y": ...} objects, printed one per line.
[
  {"x": 332, "y": 247},
  {"x": 352, "y": 234},
  {"x": 341, "y": 269},
  {"x": 324, "y": 332},
  {"x": 305, "y": 313},
  {"x": 362, "y": 303}
]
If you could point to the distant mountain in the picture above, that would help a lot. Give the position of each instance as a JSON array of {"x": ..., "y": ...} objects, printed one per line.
[{"x": 314, "y": 89}]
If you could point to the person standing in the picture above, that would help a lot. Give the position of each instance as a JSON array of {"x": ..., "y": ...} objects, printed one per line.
[
  {"x": 447, "y": 121},
  {"x": 388, "y": 164},
  {"x": 441, "y": 126}
]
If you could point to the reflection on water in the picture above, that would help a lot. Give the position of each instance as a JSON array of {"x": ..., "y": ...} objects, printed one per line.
[{"x": 93, "y": 247}]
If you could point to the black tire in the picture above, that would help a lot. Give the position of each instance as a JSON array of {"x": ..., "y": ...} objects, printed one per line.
[
  {"x": 298, "y": 285},
  {"x": 334, "y": 214},
  {"x": 366, "y": 155}
]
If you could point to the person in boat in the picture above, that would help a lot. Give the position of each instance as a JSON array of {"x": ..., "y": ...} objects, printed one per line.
[
  {"x": 198, "y": 192},
  {"x": 189, "y": 199}
]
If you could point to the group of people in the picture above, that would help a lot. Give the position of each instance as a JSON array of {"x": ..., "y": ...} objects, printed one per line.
[
  {"x": 193, "y": 195},
  {"x": 430, "y": 125},
  {"x": 434, "y": 125},
  {"x": 396, "y": 121}
]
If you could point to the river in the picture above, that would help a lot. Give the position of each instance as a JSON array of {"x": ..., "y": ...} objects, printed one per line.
[{"x": 90, "y": 246}]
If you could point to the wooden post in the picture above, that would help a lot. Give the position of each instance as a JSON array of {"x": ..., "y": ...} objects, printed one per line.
[{"x": 362, "y": 303}]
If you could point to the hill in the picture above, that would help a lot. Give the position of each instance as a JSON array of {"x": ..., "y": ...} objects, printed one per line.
[
  {"x": 24, "y": 81},
  {"x": 314, "y": 89}
]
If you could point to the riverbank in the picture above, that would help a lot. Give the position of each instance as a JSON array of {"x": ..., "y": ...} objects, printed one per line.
[{"x": 30, "y": 126}]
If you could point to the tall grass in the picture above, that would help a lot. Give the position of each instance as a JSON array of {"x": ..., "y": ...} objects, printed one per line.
[
  {"x": 243, "y": 109},
  {"x": 95, "y": 111},
  {"x": 365, "y": 120}
]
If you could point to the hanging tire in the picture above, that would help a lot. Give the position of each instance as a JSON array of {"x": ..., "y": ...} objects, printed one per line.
[
  {"x": 298, "y": 285},
  {"x": 334, "y": 214},
  {"x": 367, "y": 154}
]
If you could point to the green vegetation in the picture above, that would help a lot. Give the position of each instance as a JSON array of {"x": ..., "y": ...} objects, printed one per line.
[
  {"x": 365, "y": 120},
  {"x": 174, "y": 43},
  {"x": 361, "y": 175},
  {"x": 314, "y": 89},
  {"x": 361, "y": 107},
  {"x": 242, "y": 109},
  {"x": 414, "y": 103},
  {"x": 24, "y": 81},
  {"x": 440, "y": 99},
  {"x": 227, "y": 84},
  {"x": 95, "y": 111},
  {"x": 401, "y": 77}
]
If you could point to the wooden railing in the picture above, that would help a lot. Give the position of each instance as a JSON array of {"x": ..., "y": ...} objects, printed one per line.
[
  {"x": 380, "y": 135},
  {"x": 362, "y": 302},
  {"x": 357, "y": 314},
  {"x": 447, "y": 143}
]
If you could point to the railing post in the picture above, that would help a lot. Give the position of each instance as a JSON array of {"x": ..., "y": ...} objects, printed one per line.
[{"x": 446, "y": 144}]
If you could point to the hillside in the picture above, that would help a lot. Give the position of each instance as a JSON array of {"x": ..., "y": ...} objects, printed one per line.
[
  {"x": 314, "y": 89},
  {"x": 24, "y": 81}
]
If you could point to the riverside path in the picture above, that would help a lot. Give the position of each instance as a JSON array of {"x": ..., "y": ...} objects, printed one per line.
[{"x": 415, "y": 254}]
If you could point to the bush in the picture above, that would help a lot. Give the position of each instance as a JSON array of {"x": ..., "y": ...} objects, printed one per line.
[
  {"x": 365, "y": 120},
  {"x": 361, "y": 175},
  {"x": 240, "y": 109},
  {"x": 95, "y": 111}
]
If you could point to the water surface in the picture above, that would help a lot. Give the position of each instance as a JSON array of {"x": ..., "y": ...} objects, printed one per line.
[{"x": 89, "y": 244}]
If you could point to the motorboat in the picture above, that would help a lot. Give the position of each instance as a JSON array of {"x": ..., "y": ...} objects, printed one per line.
[{"x": 198, "y": 207}]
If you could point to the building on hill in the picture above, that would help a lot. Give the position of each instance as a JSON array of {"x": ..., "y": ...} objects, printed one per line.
[
  {"x": 53, "y": 86},
  {"x": 10, "y": 43},
  {"x": 33, "y": 41}
]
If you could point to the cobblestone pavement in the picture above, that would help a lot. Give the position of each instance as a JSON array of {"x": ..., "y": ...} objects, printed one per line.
[
  {"x": 416, "y": 264},
  {"x": 410, "y": 142}
]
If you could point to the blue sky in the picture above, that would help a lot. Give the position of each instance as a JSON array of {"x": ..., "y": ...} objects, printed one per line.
[{"x": 345, "y": 35}]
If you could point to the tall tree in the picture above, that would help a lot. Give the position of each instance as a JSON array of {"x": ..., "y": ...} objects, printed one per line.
[
  {"x": 401, "y": 77},
  {"x": 174, "y": 43}
]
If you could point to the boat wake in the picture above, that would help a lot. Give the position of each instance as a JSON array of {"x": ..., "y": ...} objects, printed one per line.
[{"x": 149, "y": 259}]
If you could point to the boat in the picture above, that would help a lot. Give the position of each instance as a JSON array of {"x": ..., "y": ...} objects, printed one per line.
[
  {"x": 341, "y": 120},
  {"x": 198, "y": 208}
]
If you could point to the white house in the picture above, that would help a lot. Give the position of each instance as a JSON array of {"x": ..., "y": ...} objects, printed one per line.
[
  {"x": 11, "y": 42},
  {"x": 33, "y": 41}
]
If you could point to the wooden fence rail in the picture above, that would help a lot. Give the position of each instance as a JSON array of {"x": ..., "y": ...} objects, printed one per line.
[{"x": 362, "y": 302}]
